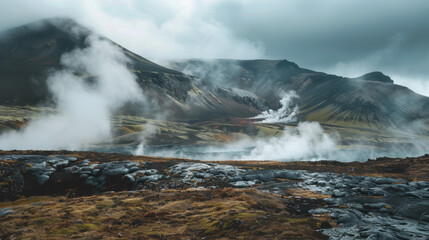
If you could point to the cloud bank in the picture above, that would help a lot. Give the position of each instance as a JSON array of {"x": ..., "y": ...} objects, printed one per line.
[
  {"x": 157, "y": 30},
  {"x": 387, "y": 35}
]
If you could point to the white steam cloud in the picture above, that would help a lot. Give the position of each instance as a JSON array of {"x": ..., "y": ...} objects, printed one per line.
[
  {"x": 157, "y": 30},
  {"x": 286, "y": 113},
  {"x": 148, "y": 132},
  {"x": 83, "y": 108},
  {"x": 307, "y": 141}
]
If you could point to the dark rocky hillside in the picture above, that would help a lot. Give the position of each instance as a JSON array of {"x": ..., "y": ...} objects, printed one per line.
[
  {"x": 371, "y": 100},
  {"x": 212, "y": 89},
  {"x": 29, "y": 53}
]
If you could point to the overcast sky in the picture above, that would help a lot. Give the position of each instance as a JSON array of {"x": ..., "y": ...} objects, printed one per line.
[{"x": 344, "y": 37}]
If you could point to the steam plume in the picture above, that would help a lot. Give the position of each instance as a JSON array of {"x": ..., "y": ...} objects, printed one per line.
[
  {"x": 149, "y": 131},
  {"x": 286, "y": 113},
  {"x": 307, "y": 142},
  {"x": 83, "y": 109}
]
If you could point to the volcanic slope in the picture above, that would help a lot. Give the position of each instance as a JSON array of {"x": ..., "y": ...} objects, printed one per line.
[
  {"x": 369, "y": 101},
  {"x": 28, "y": 54}
]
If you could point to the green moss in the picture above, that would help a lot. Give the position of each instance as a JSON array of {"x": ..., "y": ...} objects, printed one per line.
[
  {"x": 28, "y": 200},
  {"x": 104, "y": 204},
  {"x": 85, "y": 227},
  {"x": 44, "y": 221},
  {"x": 74, "y": 229},
  {"x": 296, "y": 220},
  {"x": 322, "y": 115},
  {"x": 248, "y": 216}
]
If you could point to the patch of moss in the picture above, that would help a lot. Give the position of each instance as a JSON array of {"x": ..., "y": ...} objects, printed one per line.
[
  {"x": 28, "y": 200},
  {"x": 84, "y": 227},
  {"x": 296, "y": 220},
  {"x": 182, "y": 215}
]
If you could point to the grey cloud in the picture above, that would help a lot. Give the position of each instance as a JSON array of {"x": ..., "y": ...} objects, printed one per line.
[
  {"x": 320, "y": 33},
  {"x": 343, "y": 37}
]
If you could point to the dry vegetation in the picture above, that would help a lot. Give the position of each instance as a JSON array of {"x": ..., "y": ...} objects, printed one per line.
[{"x": 170, "y": 214}]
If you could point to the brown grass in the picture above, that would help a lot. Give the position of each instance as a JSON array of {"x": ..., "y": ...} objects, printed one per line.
[
  {"x": 300, "y": 192},
  {"x": 172, "y": 214}
]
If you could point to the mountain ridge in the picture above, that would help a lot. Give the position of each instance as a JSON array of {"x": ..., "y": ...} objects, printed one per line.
[
  {"x": 211, "y": 89},
  {"x": 370, "y": 100},
  {"x": 30, "y": 52}
]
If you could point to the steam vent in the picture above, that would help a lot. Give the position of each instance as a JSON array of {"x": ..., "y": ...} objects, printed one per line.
[{"x": 214, "y": 120}]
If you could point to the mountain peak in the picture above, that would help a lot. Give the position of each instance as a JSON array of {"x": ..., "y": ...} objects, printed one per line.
[
  {"x": 56, "y": 21},
  {"x": 375, "y": 76},
  {"x": 42, "y": 42},
  {"x": 286, "y": 63},
  {"x": 62, "y": 24}
]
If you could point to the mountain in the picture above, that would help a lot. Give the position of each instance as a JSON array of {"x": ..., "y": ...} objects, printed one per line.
[
  {"x": 371, "y": 100},
  {"x": 28, "y": 54},
  {"x": 211, "y": 89}
]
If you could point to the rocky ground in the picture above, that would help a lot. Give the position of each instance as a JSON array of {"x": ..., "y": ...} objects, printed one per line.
[{"x": 98, "y": 195}]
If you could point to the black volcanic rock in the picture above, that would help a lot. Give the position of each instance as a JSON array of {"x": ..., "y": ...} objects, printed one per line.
[{"x": 399, "y": 207}]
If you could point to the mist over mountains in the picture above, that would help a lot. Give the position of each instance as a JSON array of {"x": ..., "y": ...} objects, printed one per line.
[
  {"x": 371, "y": 100},
  {"x": 214, "y": 119},
  {"x": 29, "y": 53},
  {"x": 206, "y": 101}
]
